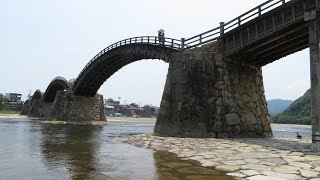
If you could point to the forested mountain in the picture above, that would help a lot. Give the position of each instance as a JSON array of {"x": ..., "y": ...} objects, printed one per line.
[
  {"x": 299, "y": 112},
  {"x": 276, "y": 106}
]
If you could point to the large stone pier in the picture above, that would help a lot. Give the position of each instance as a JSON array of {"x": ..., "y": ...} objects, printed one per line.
[
  {"x": 207, "y": 95},
  {"x": 68, "y": 107}
]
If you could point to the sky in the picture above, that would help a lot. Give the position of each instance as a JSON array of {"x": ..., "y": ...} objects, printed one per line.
[{"x": 42, "y": 39}]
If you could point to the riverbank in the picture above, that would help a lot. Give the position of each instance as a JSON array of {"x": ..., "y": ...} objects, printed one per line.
[
  {"x": 274, "y": 158},
  {"x": 12, "y": 116},
  {"x": 130, "y": 119},
  {"x": 110, "y": 120},
  {"x": 8, "y": 112}
]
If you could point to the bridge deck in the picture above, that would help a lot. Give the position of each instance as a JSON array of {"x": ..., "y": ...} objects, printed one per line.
[
  {"x": 272, "y": 30},
  {"x": 271, "y": 36}
]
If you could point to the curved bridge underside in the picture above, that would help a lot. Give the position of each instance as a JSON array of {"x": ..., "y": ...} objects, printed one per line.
[
  {"x": 36, "y": 95},
  {"x": 99, "y": 70},
  {"x": 57, "y": 84}
]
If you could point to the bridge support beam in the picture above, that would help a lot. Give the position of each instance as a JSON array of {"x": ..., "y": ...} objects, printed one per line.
[
  {"x": 207, "y": 95},
  {"x": 314, "y": 39},
  {"x": 68, "y": 107}
]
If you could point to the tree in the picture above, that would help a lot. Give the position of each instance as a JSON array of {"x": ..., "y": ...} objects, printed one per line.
[{"x": 1, "y": 101}]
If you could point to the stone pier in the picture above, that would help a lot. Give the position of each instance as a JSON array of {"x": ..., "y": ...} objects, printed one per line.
[
  {"x": 207, "y": 95},
  {"x": 40, "y": 108},
  {"x": 68, "y": 107},
  {"x": 25, "y": 108}
]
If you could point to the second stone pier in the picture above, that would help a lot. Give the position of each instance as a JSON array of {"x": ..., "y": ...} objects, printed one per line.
[
  {"x": 68, "y": 107},
  {"x": 207, "y": 95}
]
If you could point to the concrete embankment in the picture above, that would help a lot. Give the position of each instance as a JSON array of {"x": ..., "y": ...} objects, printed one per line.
[{"x": 261, "y": 158}]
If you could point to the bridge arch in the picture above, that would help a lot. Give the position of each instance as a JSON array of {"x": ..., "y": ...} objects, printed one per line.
[
  {"x": 36, "y": 95},
  {"x": 118, "y": 55},
  {"x": 57, "y": 84}
]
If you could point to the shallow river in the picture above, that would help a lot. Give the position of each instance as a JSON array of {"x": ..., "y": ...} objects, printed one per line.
[
  {"x": 290, "y": 130},
  {"x": 35, "y": 150}
]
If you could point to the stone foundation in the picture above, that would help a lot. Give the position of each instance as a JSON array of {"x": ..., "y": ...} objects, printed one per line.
[
  {"x": 207, "y": 95},
  {"x": 40, "y": 109},
  {"x": 68, "y": 107},
  {"x": 25, "y": 108},
  {"x": 35, "y": 109}
]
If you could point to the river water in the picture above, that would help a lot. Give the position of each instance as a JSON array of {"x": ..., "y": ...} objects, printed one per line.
[
  {"x": 290, "y": 130},
  {"x": 36, "y": 150}
]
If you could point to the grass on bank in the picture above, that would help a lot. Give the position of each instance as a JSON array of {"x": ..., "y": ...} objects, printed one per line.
[{"x": 9, "y": 112}]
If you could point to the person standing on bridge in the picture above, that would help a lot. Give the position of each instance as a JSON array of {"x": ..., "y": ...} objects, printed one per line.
[{"x": 161, "y": 36}]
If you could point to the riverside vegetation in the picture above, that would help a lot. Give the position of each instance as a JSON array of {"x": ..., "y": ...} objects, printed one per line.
[
  {"x": 7, "y": 109},
  {"x": 299, "y": 112}
]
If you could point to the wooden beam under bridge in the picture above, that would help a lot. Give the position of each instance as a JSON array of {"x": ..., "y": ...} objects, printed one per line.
[{"x": 313, "y": 16}]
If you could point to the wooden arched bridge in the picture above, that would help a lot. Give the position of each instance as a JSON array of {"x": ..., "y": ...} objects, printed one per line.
[
  {"x": 114, "y": 57},
  {"x": 260, "y": 36}
]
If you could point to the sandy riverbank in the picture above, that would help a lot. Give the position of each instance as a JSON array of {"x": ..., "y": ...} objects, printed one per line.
[
  {"x": 13, "y": 116},
  {"x": 130, "y": 119},
  {"x": 110, "y": 120},
  {"x": 274, "y": 158},
  {"x": 294, "y": 126}
]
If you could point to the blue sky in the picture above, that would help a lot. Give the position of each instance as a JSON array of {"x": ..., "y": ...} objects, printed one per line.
[{"x": 42, "y": 39}]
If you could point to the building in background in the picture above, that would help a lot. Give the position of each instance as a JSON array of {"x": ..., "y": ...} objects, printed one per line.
[
  {"x": 115, "y": 109},
  {"x": 14, "y": 98},
  {"x": 12, "y": 102}
]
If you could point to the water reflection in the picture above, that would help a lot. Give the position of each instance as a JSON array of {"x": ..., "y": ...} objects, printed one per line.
[
  {"x": 36, "y": 150},
  {"x": 170, "y": 167},
  {"x": 71, "y": 148}
]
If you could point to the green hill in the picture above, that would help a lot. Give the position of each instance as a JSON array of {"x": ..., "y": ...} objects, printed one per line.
[
  {"x": 299, "y": 112},
  {"x": 276, "y": 106}
]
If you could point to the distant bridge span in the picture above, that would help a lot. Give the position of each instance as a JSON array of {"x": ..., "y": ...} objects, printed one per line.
[{"x": 57, "y": 84}]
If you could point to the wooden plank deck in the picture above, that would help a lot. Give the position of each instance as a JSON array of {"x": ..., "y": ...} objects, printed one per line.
[{"x": 271, "y": 36}]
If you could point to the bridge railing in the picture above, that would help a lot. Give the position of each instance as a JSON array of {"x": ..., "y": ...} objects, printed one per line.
[
  {"x": 202, "y": 38},
  {"x": 215, "y": 33},
  {"x": 168, "y": 42},
  {"x": 153, "y": 40}
]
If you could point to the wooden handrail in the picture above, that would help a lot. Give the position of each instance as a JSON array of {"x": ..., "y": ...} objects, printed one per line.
[
  {"x": 152, "y": 40},
  {"x": 234, "y": 23}
]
